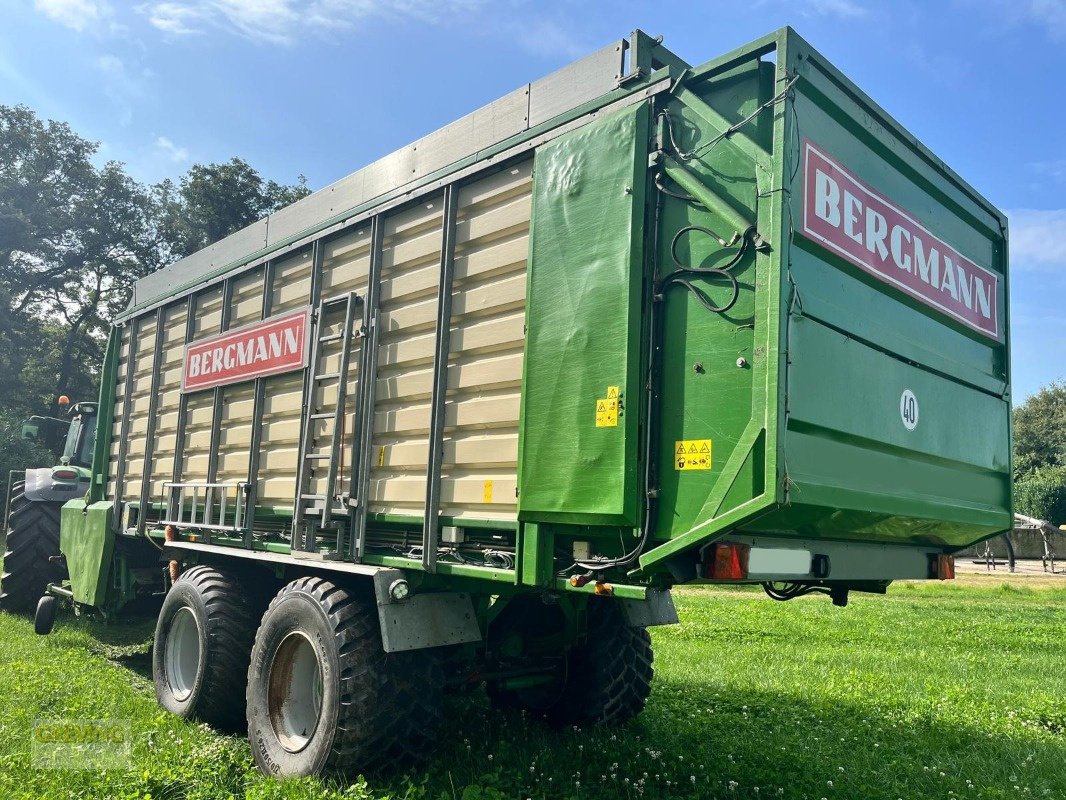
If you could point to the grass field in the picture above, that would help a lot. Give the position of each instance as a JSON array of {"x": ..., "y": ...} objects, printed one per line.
[{"x": 942, "y": 691}]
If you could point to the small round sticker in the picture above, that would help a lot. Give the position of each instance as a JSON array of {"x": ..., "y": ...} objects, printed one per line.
[{"x": 908, "y": 409}]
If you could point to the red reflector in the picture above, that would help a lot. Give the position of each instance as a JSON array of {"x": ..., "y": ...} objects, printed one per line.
[
  {"x": 64, "y": 474},
  {"x": 945, "y": 568},
  {"x": 728, "y": 562}
]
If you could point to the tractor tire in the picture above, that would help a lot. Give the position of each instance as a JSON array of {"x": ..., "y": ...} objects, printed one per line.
[
  {"x": 203, "y": 643},
  {"x": 609, "y": 677},
  {"x": 32, "y": 539},
  {"x": 324, "y": 697}
]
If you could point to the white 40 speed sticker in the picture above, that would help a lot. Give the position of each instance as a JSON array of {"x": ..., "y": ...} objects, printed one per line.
[{"x": 908, "y": 409}]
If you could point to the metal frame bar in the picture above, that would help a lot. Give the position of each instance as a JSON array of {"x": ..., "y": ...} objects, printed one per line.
[
  {"x": 338, "y": 411},
  {"x": 368, "y": 373},
  {"x": 258, "y": 403},
  {"x": 124, "y": 434},
  {"x": 431, "y": 523},
  {"x": 153, "y": 413},
  {"x": 178, "y": 520},
  {"x": 305, "y": 540}
]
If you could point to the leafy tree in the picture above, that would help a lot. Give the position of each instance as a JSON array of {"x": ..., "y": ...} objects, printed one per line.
[
  {"x": 74, "y": 237},
  {"x": 1042, "y": 494},
  {"x": 214, "y": 200},
  {"x": 1040, "y": 431}
]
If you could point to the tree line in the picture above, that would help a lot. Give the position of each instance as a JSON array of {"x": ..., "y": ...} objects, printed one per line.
[{"x": 74, "y": 236}]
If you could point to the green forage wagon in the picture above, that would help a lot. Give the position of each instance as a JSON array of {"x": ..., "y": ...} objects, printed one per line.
[{"x": 467, "y": 415}]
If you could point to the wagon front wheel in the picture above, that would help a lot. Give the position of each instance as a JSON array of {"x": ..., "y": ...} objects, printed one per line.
[
  {"x": 203, "y": 640},
  {"x": 324, "y": 697}
]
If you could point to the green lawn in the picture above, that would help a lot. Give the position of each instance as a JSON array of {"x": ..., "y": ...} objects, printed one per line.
[{"x": 945, "y": 691}]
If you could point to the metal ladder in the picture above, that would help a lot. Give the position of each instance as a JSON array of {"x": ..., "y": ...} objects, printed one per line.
[{"x": 327, "y": 503}]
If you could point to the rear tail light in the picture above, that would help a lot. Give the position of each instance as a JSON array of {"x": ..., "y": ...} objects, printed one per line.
[
  {"x": 727, "y": 562},
  {"x": 64, "y": 474},
  {"x": 943, "y": 567}
]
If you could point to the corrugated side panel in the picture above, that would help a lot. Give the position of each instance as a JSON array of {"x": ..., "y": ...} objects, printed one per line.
[
  {"x": 479, "y": 472},
  {"x": 207, "y": 321},
  {"x": 291, "y": 290},
  {"x": 235, "y": 437},
  {"x": 410, "y": 267},
  {"x": 345, "y": 269},
  {"x": 174, "y": 324},
  {"x": 143, "y": 358},
  {"x": 120, "y": 411}
]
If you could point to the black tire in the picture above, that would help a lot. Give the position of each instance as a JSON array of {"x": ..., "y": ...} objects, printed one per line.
[
  {"x": 200, "y": 671},
  {"x": 372, "y": 710},
  {"x": 32, "y": 539},
  {"x": 45, "y": 618},
  {"x": 609, "y": 677}
]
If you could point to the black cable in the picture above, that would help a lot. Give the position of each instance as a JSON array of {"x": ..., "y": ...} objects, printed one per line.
[{"x": 684, "y": 273}]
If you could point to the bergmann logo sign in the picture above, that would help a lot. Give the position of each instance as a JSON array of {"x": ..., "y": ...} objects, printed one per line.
[{"x": 862, "y": 226}]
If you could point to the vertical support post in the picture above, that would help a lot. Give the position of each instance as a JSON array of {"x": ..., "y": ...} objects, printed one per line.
[
  {"x": 258, "y": 402},
  {"x": 183, "y": 405},
  {"x": 430, "y": 525},
  {"x": 305, "y": 539},
  {"x": 124, "y": 434},
  {"x": 368, "y": 371},
  {"x": 149, "y": 436}
]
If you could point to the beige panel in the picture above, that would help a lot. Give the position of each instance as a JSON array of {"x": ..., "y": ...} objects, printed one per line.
[
  {"x": 170, "y": 367},
  {"x": 292, "y": 282},
  {"x": 246, "y": 303},
  {"x": 235, "y": 434},
  {"x": 478, "y": 477},
  {"x": 199, "y": 411},
  {"x": 281, "y": 438},
  {"x": 119, "y": 412},
  {"x": 410, "y": 273},
  {"x": 143, "y": 364}
]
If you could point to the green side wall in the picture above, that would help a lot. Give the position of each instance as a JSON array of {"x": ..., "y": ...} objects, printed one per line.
[{"x": 583, "y": 324}]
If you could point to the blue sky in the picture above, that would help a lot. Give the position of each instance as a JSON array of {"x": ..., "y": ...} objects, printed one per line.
[{"x": 322, "y": 87}]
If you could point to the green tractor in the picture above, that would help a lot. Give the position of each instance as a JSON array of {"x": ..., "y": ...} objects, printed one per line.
[{"x": 34, "y": 498}]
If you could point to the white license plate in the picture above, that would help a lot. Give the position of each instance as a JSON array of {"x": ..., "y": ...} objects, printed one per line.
[{"x": 778, "y": 561}]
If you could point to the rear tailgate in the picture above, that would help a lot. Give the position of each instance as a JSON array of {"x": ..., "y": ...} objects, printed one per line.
[{"x": 897, "y": 424}]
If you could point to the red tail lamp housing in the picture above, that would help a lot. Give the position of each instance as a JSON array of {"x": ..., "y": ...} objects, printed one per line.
[
  {"x": 942, "y": 567},
  {"x": 64, "y": 474},
  {"x": 726, "y": 562}
]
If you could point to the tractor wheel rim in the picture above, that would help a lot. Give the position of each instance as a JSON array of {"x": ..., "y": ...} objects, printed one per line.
[
  {"x": 181, "y": 656},
  {"x": 294, "y": 692}
]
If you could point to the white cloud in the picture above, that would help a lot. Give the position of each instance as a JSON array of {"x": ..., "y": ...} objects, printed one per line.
[
  {"x": 123, "y": 85},
  {"x": 1051, "y": 13},
  {"x": 834, "y": 8},
  {"x": 284, "y": 21},
  {"x": 1038, "y": 239},
  {"x": 76, "y": 14},
  {"x": 171, "y": 151}
]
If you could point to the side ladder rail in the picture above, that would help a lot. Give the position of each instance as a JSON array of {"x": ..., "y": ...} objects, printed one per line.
[
  {"x": 368, "y": 371},
  {"x": 316, "y": 379}
]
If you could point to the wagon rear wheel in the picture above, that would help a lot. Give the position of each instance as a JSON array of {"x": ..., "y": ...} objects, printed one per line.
[
  {"x": 609, "y": 677},
  {"x": 324, "y": 697}
]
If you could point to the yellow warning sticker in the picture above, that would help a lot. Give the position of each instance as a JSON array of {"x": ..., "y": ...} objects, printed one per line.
[
  {"x": 612, "y": 392},
  {"x": 692, "y": 454},
  {"x": 381, "y": 457},
  {"x": 607, "y": 412},
  {"x": 486, "y": 494}
]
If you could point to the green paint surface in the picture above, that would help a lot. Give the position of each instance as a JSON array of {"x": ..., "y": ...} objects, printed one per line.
[
  {"x": 87, "y": 541},
  {"x": 583, "y": 324}
]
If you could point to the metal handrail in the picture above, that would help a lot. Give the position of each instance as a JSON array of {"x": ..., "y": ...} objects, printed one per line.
[{"x": 201, "y": 514}]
